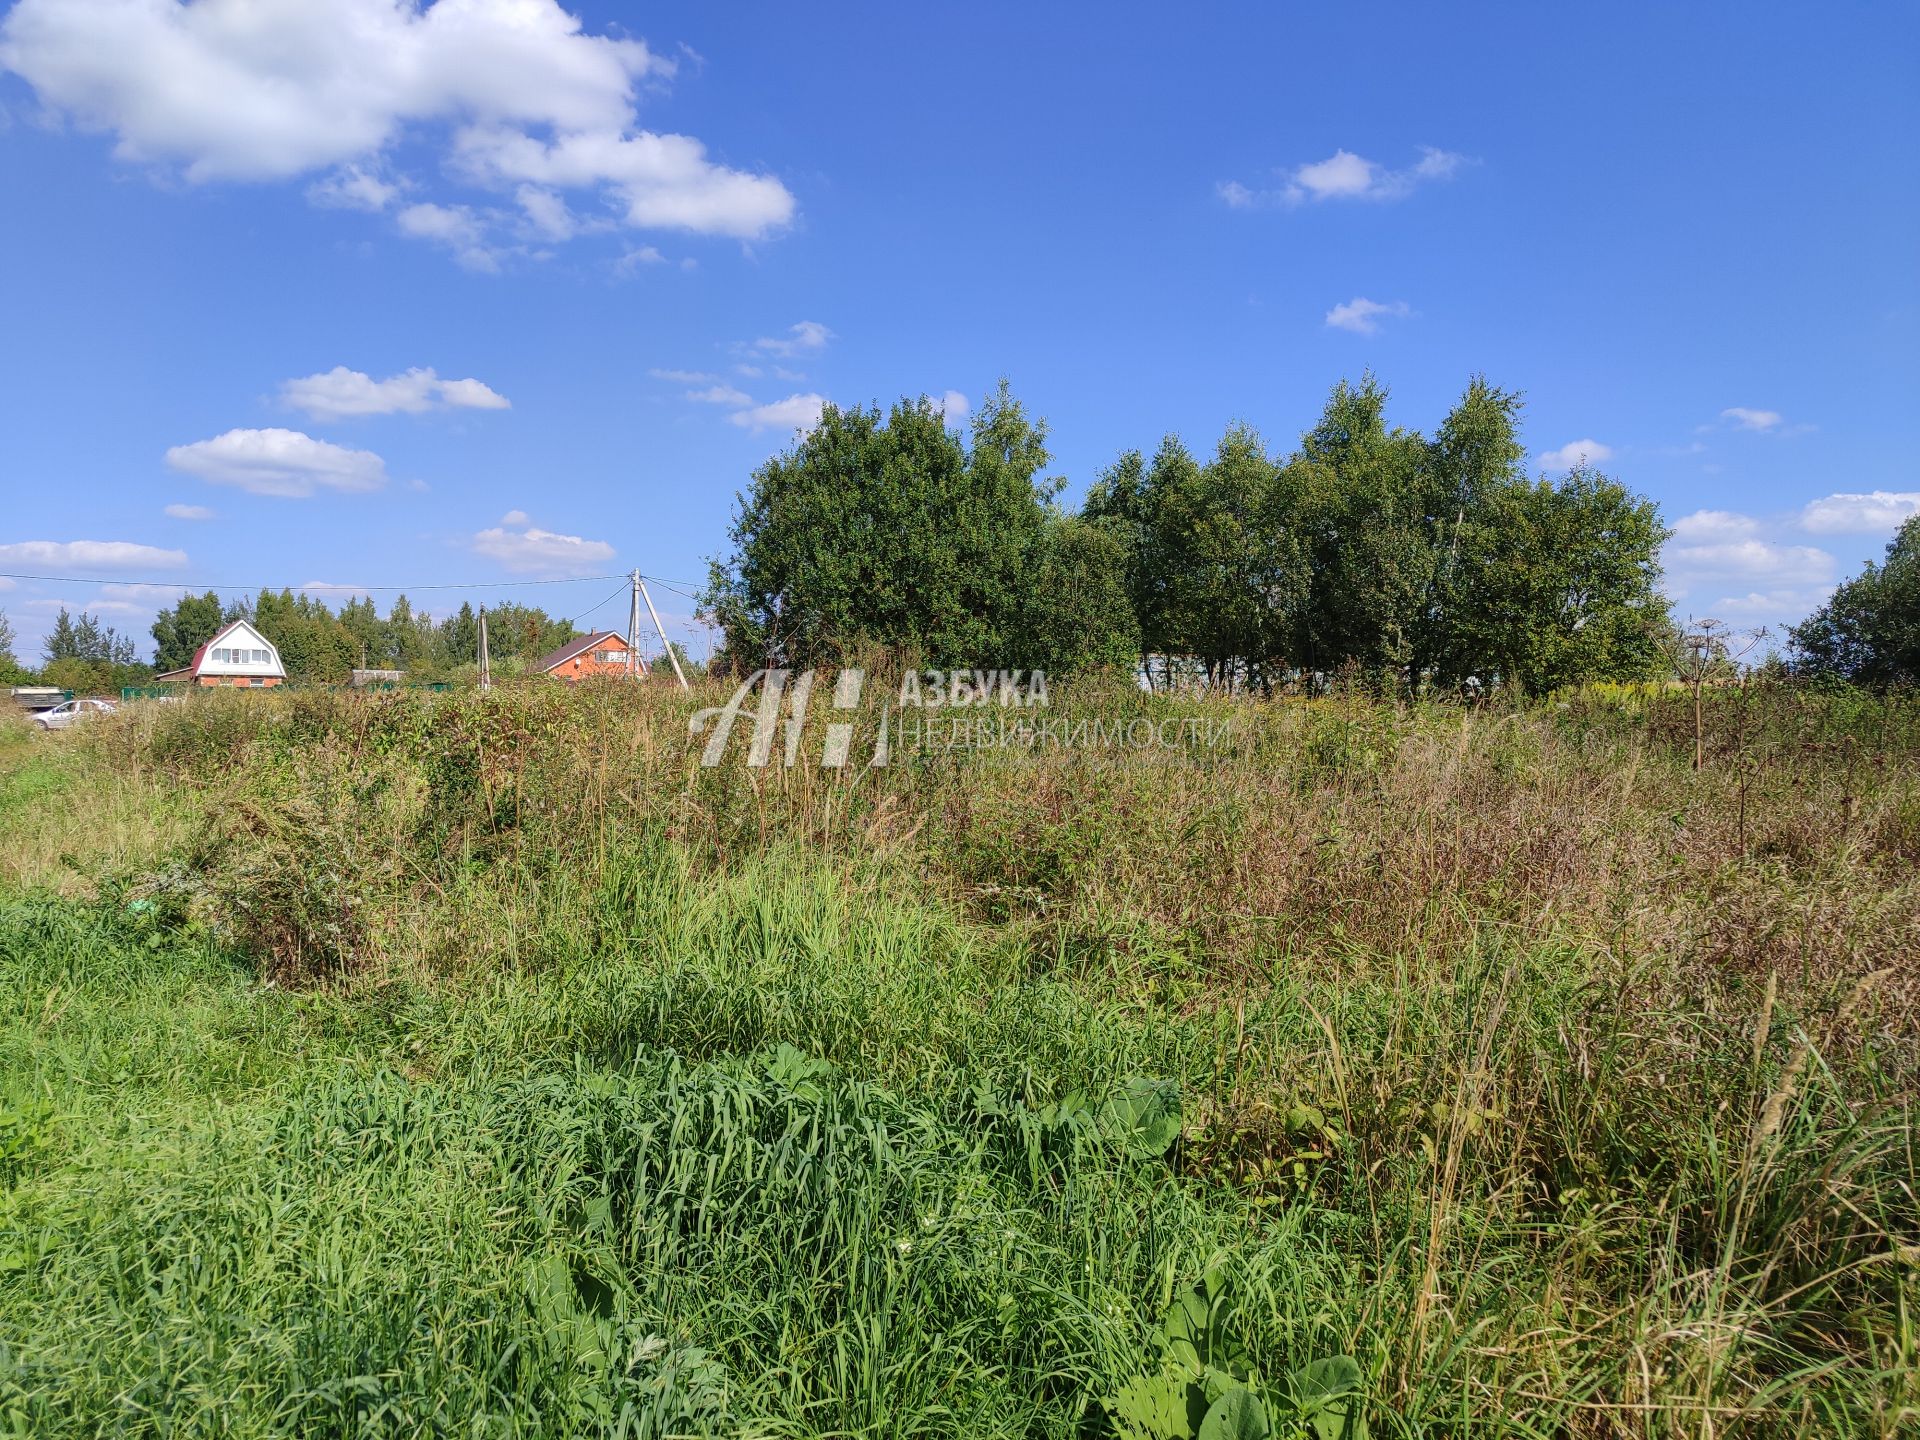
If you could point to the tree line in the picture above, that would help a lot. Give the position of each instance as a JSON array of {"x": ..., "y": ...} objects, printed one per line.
[
  {"x": 1414, "y": 562},
  {"x": 317, "y": 644}
]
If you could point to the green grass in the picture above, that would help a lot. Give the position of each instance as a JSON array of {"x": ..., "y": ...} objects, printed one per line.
[{"x": 400, "y": 1096}]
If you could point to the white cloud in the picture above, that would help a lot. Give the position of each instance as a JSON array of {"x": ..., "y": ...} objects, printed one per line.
[
  {"x": 955, "y": 406},
  {"x": 272, "y": 89},
  {"x": 515, "y": 517},
  {"x": 1573, "y": 453},
  {"x": 660, "y": 182},
  {"x": 1747, "y": 419},
  {"x": 1362, "y": 316},
  {"x": 458, "y": 228},
  {"x": 189, "y": 512},
  {"x": 684, "y": 377},
  {"x": 1725, "y": 564},
  {"x": 1734, "y": 565},
  {"x": 1878, "y": 513},
  {"x": 796, "y": 412},
  {"x": 353, "y": 188},
  {"x": 1343, "y": 175},
  {"x": 528, "y": 549},
  {"x": 471, "y": 395},
  {"x": 634, "y": 259},
  {"x": 279, "y": 462},
  {"x": 1708, "y": 527},
  {"x": 340, "y": 393},
  {"x": 720, "y": 395},
  {"x": 547, "y": 212},
  {"x": 809, "y": 337},
  {"x": 89, "y": 555}
]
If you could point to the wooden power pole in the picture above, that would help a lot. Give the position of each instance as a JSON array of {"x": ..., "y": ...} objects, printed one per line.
[{"x": 640, "y": 589}]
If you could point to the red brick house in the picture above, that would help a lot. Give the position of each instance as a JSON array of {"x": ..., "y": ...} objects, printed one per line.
[
  {"x": 601, "y": 653},
  {"x": 237, "y": 655}
]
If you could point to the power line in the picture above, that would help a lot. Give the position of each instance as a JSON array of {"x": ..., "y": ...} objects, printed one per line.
[{"x": 584, "y": 613}]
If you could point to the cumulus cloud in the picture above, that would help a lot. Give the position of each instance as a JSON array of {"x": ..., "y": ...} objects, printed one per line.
[
  {"x": 1721, "y": 563},
  {"x": 1362, "y": 316},
  {"x": 189, "y": 512},
  {"x": 1747, "y": 419},
  {"x": 684, "y": 377},
  {"x": 89, "y": 555},
  {"x": 1573, "y": 453},
  {"x": 353, "y": 188},
  {"x": 954, "y": 406},
  {"x": 279, "y": 462},
  {"x": 659, "y": 182},
  {"x": 341, "y": 393},
  {"x": 796, "y": 412},
  {"x": 809, "y": 337},
  {"x": 720, "y": 395},
  {"x": 261, "y": 90},
  {"x": 458, "y": 227},
  {"x": 1343, "y": 175},
  {"x": 524, "y": 547},
  {"x": 1878, "y": 512},
  {"x": 1713, "y": 527},
  {"x": 641, "y": 256}
]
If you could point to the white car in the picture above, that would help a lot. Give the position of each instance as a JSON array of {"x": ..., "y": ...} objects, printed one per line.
[{"x": 72, "y": 712}]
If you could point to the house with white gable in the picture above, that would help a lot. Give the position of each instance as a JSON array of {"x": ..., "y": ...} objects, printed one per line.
[{"x": 237, "y": 655}]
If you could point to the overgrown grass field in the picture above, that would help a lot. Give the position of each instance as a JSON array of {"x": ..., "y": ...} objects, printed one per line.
[{"x": 482, "y": 1065}]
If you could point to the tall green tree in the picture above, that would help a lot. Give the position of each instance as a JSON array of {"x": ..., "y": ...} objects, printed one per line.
[
  {"x": 460, "y": 636},
  {"x": 84, "y": 638},
  {"x": 182, "y": 628},
  {"x": 1362, "y": 503},
  {"x": 886, "y": 530},
  {"x": 10, "y": 670},
  {"x": 1215, "y": 564},
  {"x": 1555, "y": 584},
  {"x": 1868, "y": 632}
]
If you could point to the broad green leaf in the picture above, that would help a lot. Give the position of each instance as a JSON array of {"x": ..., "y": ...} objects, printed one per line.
[
  {"x": 1326, "y": 1394},
  {"x": 1157, "y": 1407},
  {"x": 1237, "y": 1415},
  {"x": 1144, "y": 1118}
]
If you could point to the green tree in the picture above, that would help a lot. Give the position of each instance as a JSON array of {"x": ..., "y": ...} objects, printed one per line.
[
  {"x": 1363, "y": 506},
  {"x": 410, "y": 641},
  {"x": 1074, "y": 612},
  {"x": 1215, "y": 566},
  {"x": 886, "y": 530},
  {"x": 1868, "y": 632},
  {"x": 524, "y": 631},
  {"x": 314, "y": 646},
  {"x": 10, "y": 668},
  {"x": 183, "y": 628},
  {"x": 84, "y": 638},
  {"x": 1555, "y": 584},
  {"x": 460, "y": 636},
  {"x": 361, "y": 620}
]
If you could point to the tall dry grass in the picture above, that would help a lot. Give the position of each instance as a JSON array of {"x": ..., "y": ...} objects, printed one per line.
[{"x": 1567, "y": 1089}]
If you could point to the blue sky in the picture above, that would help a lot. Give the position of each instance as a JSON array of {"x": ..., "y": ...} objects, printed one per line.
[{"x": 500, "y": 290}]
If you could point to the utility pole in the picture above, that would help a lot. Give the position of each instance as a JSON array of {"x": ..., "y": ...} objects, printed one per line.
[
  {"x": 634, "y": 662},
  {"x": 641, "y": 586},
  {"x": 486, "y": 665}
]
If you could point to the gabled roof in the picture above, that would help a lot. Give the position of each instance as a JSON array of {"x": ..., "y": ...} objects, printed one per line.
[
  {"x": 193, "y": 665},
  {"x": 577, "y": 646}
]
